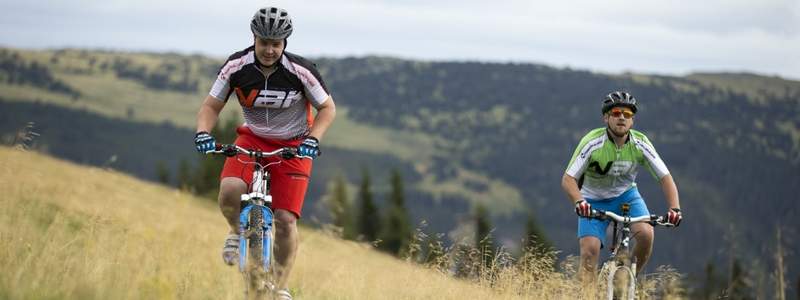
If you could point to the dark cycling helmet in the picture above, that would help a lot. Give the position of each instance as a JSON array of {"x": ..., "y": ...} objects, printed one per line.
[
  {"x": 619, "y": 98},
  {"x": 271, "y": 23}
]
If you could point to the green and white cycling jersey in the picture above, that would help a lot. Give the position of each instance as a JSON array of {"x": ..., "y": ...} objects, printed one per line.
[{"x": 608, "y": 170}]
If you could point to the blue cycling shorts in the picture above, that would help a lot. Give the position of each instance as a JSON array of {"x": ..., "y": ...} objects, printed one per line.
[{"x": 597, "y": 228}]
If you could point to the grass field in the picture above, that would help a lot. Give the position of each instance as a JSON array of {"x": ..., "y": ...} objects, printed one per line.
[{"x": 75, "y": 232}]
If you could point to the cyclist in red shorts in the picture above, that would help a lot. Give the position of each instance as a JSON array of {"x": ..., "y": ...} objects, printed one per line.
[{"x": 277, "y": 91}]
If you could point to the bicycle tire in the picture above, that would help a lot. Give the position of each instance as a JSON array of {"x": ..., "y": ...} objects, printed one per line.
[
  {"x": 609, "y": 281},
  {"x": 256, "y": 277}
]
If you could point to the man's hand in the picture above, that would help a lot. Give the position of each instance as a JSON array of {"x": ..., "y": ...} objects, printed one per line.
[
  {"x": 204, "y": 142},
  {"x": 674, "y": 216},
  {"x": 309, "y": 147},
  {"x": 583, "y": 208}
]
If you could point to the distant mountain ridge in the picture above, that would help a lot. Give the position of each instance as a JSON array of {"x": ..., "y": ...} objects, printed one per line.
[
  {"x": 730, "y": 148},
  {"x": 502, "y": 133}
]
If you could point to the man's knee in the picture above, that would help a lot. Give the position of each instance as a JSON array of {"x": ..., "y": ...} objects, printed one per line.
[
  {"x": 590, "y": 248},
  {"x": 643, "y": 233},
  {"x": 285, "y": 219},
  {"x": 231, "y": 189}
]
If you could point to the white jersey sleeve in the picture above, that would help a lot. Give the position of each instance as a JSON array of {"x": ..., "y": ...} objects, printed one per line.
[
  {"x": 657, "y": 166},
  {"x": 314, "y": 87},
  {"x": 221, "y": 89}
]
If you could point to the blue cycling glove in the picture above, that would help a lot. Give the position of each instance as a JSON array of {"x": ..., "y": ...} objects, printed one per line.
[
  {"x": 204, "y": 142},
  {"x": 309, "y": 147}
]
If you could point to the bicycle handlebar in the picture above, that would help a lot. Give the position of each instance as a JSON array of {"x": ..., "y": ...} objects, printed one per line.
[
  {"x": 230, "y": 150},
  {"x": 653, "y": 220}
]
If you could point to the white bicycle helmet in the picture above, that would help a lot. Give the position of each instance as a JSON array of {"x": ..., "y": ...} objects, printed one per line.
[{"x": 271, "y": 23}]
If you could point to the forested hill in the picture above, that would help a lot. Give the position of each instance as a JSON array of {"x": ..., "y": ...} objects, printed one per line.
[
  {"x": 732, "y": 141},
  {"x": 466, "y": 132}
]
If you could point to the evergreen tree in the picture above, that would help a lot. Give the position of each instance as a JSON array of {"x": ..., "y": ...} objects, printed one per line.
[
  {"x": 483, "y": 235},
  {"x": 710, "y": 288},
  {"x": 368, "y": 218},
  {"x": 339, "y": 206},
  {"x": 184, "y": 174},
  {"x": 535, "y": 243},
  {"x": 739, "y": 286},
  {"x": 396, "y": 232},
  {"x": 162, "y": 172}
]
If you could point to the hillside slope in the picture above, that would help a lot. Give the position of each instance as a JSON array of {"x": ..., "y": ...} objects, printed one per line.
[
  {"x": 74, "y": 232},
  {"x": 461, "y": 133}
]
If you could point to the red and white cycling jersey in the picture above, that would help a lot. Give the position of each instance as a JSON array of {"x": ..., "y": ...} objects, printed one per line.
[{"x": 278, "y": 106}]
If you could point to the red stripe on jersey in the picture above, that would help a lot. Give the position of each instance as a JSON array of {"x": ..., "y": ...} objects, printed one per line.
[
  {"x": 232, "y": 66},
  {"x": 305, "y": 75},
  {"x": 309, "y": 115}
]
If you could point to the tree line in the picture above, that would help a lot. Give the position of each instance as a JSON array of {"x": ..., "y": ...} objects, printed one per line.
[
  {"x": 15, "y": 70},
  {"x": 390, "y": 229},
  {"x": 160, "y": 78}
]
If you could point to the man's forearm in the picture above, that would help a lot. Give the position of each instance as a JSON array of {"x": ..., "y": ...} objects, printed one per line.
[
  {"x": 670, "y": 191},
  {"x": 208, "y": 114},
  {"x": 206, "y": 119},
  {"x": 570, "y": 186},
  {"x": 323, "y": 120}
]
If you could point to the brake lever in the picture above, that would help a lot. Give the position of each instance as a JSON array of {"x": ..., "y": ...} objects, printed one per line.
[
  {"x": 288, "y": 153},
  {"x": 229, "y": 150}
]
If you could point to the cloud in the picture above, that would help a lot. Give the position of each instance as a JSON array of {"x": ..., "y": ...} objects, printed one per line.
[{"x": 610, "y": 36}]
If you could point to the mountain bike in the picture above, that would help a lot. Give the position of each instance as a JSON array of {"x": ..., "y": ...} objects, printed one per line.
[
  {"x": 618, "y": 274},
  {"x": 256, "y": 232}
]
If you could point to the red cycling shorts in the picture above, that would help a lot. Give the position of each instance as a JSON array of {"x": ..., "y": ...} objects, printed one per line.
[{"x": 288, "y": 179}]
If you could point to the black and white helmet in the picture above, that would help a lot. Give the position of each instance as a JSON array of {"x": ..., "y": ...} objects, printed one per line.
[
  {"x": 619, "y": 98},
  {"x": 271, "y": 23}
]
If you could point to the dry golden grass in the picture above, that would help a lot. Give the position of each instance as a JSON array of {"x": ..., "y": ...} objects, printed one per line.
[
  {"x": 85, "y": 233},
  {"x": 76, "y": 232}
]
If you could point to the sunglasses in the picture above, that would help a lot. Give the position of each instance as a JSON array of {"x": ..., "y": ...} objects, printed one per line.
[{"x": 621, "y": 112}]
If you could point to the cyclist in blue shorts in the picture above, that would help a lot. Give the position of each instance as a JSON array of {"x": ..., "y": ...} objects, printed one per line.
[{"x": 602, "y": 174}]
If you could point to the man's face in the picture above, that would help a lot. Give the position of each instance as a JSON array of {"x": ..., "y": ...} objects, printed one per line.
[
  {"x": 268, "y": 51},
  {"x": 619, "y": 120}
]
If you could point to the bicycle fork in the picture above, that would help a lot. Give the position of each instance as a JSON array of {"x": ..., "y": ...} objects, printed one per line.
[{"x": 245, "y": 230}]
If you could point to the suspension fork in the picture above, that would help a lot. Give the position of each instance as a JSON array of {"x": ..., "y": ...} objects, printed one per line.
[
  {"x": 244, "y": 222},
  {"x": 267, "y": 238}
]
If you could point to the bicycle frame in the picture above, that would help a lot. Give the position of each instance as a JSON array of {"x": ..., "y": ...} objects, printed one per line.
[
  {"x": 259, "y": 198},
  {"x": 620, "y": 258},
  {"x": 257, "y": 203}
]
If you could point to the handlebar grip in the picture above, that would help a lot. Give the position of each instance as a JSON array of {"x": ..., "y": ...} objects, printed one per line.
[
  {"x": 225, "y": 149},
  {"x": 288, "y": 153},
  {"x": 598, "y": 213},
  {"x": 657, "y": 220}
]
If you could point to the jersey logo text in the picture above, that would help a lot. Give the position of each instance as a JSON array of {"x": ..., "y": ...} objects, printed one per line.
[
  {"x": 268, "y": 98},
  {"x": 597, "y": 168}
]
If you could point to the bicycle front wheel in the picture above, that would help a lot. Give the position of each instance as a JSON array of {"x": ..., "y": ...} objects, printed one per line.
[
  {"x": 618, "y": 281},
  {"x": 256, "y": 275}
]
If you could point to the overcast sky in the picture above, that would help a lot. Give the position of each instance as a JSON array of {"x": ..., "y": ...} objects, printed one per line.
[{"x": 666, "y": 37}]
